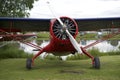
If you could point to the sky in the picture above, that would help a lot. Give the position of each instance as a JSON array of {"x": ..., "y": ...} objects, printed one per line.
[{"x": 76, "y": 8}]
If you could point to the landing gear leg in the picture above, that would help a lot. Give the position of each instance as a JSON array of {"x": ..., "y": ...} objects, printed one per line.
[
  {"x": 30, "y": 62},
  {"x": 95, "y": 60}
]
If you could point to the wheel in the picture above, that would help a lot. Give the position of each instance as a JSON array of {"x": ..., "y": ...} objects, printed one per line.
[
  {"x": 29, "y": 63},
  {"x": 96, "y": 64}
]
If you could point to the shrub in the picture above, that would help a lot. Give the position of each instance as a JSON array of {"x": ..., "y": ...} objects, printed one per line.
[
  {"x": 95, "y": 52},
  {"x": 13, "y": 51}
]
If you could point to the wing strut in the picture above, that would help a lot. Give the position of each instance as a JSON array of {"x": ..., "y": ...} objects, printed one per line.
[{"x": 102, "y": 39}]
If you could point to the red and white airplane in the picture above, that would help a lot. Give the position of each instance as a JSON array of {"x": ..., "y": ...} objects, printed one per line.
[{"x": 63, "y": 31}]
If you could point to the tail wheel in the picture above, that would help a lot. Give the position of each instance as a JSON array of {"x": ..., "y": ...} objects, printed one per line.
[
  {"x": 29, "y": 63},
  {"x": 96, "y": 64}
]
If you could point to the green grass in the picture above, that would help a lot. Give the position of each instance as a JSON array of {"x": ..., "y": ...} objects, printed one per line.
[
  {"x": 87, "y": 36},
  {"x": 43, "y": 36},
  {"x": 14, "y": 69}
]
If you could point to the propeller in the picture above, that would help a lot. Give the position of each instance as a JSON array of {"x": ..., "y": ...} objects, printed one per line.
[
  {"x": 64, "y": 27},
  {"x": 74, "y": 42}
]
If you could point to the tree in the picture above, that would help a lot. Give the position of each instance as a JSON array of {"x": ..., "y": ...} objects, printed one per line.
[{"x": 15, "y": 8}]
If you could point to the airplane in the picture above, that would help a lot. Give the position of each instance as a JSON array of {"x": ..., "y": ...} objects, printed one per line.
[{"x": 63, "y": 32}]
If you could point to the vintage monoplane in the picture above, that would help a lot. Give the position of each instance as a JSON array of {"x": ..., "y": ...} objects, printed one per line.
[{"x": 63, "y": 31}]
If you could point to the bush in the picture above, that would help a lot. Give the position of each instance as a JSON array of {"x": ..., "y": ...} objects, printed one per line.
[
  {"x": 77, "y": 57},
  {"x": 94, "y": 52},
  {"x": 12, "y": 51},
  {"x": 51, "y": 57},
  {"x": 113, "y": 53}
]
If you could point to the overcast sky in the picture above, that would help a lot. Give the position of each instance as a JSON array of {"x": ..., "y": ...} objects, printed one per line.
[{"x": 76, "y": 8}]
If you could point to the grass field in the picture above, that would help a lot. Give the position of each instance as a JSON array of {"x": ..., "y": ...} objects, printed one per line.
[{"x": 14, "y": 69}]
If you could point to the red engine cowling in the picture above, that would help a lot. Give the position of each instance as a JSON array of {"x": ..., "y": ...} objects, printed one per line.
[
  {"x": 57, "y": 32},
  {"x": 59, "y": 39}
]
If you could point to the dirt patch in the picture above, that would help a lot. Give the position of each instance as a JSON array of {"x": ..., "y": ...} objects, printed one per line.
[{"x": 72, "y": 71}]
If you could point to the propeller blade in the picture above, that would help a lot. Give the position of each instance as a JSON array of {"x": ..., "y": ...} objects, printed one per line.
[
  {"x": 74, "y": 42},
  {"x": 53, "y": 12}
]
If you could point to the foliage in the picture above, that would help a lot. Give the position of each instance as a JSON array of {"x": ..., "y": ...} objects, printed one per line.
[
  {"x": 51, "y": 57},
  {"x": 13, "y": 51},
  {"x": 15, "y": 8},
  {"x": 113, "y": 53},
  {"x": 95, "y": 52}
]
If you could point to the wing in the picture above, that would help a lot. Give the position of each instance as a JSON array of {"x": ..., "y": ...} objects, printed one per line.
[
  {"x": 95, "y": 24},
  {"x": 24, "y": 24},
  {"x": 31, "y": 24}
]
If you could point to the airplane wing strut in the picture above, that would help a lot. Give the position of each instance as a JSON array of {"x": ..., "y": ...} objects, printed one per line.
[{"x": 101, "y": 40}]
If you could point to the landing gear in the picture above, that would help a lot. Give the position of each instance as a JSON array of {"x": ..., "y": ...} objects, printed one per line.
[
  {"x": 95, "y": 60},
  {"x": 96, "y": 63},
  {"x": 29, "y": 63}
]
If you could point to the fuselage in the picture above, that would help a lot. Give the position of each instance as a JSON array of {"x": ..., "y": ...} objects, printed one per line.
[{"x": 59, "y": 41}]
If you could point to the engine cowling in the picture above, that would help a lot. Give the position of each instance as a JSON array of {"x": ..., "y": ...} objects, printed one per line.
[
  {"x": 60, "y": 41},
  {"x": 58, "y": 32}
]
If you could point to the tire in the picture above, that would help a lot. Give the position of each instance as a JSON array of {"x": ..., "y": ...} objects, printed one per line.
[
  {"x": 29, "y": 63},
  {"x": 96, "y": 64}
]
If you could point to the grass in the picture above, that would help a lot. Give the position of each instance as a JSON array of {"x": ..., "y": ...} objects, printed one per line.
[
  {"x": 14, "y": 69},
  {"x": 43, "y": 36},
  {"x": 87, "y": 36}
]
